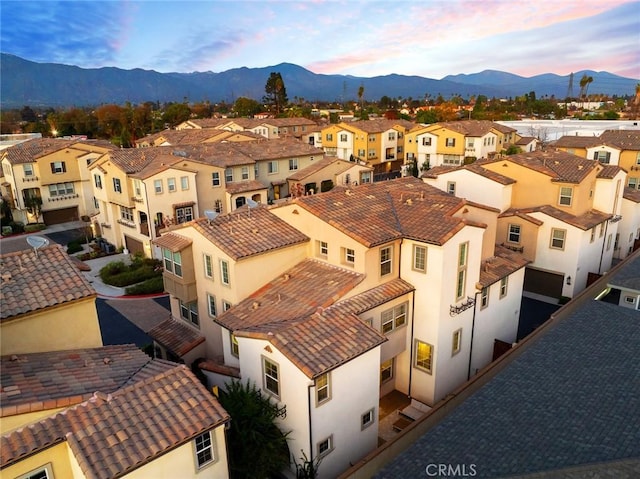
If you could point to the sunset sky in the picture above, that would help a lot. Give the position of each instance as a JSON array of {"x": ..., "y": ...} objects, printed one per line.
[{"x": 429, "y": 38}]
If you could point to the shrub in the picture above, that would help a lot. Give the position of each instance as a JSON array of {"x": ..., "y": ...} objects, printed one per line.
[
  {"x": 118, "y": 274},
  {"x": 74, "y": 247},
  {"x": 17, "y": 227},
  {"x": 150, "y": 286},
  {"x": 30, "y": 228}
]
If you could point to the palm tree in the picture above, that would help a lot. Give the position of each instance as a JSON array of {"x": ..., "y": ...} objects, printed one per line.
[
  {"x": 584, "y": 86},
  {"x": 360, "y": 95}
]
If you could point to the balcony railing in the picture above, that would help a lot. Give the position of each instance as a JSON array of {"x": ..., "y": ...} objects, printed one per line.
[{"x": 128, "y": 224}]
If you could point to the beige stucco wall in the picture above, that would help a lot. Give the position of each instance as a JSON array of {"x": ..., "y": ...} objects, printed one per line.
[
  {"x": 12, "y": 422},
  {"x": 57, "y": 456}
]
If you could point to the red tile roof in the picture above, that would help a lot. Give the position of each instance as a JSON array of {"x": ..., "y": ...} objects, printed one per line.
[
  {"x": 111, "y": 435},
  {"x": 474, "y": 168},
  {"x": 631, "y": 194},
  {"x": 623, "y": 139},
  {"x": 502, "y": 264},
  {"x": 319, "y": 165},
  {"x": 575, "y": 141},
  {"x": 244, "y": 186},
  {"x": 30, "y": 151},
  {"x": 32, "y": 283},
  {"x": 173, "y": 242},
  {"x": 609, "y": 171},
  {"x": 584, "y": 222},
  {"x": 373, "y": 297},
  {"x": 176, "y": 336}
]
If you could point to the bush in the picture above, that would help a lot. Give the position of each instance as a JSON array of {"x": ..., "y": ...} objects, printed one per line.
[
  {"x": 17, "y": 227},
  {"x": 119, "y": 274},
  {"x": 30, "y": 228},
  {"x": 150, "y": 286},
  {"x": 74, "y": 247}
]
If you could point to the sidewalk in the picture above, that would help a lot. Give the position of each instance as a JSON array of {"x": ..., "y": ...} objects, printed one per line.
[{"x": 93, "y": 276}]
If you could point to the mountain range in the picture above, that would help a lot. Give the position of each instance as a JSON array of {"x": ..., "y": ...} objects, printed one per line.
[{"x": 27, "y": 83}]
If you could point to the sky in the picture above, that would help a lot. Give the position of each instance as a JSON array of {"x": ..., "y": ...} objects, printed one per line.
[{"x": 364, "y": 38}]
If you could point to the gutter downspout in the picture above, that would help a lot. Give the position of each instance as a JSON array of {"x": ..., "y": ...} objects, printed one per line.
[
  {"x": 604, "y": 241},
  {"x": 310, "y": 423},
  {"x": 413, "y": 317},
  {"x": 473, "y": 327}
]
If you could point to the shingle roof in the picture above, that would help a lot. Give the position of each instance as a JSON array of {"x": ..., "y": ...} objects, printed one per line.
[
  {"x": 31, "y": 283},
  {"x": 112, "y": 435},
  {"x": 623, "y": 139},
  {"x": 176, "y": 336},
  {"x": 40, "y": 381},
  {"x": 377, "y": 213},
  {"x": 209, "y": 122},
  {"x": 248, "y": 232},
  {"x": 503, "y": 263}
]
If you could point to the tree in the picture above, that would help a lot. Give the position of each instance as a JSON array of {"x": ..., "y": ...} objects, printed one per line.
[
  {"x": 360, "y": 95},
  {"x": 276, "y": 93},
  {"x": 176, "y": 113},
  {"x": 584, "y": 85},
  {"x": 246, "y": 107},
  {"x": 257, "y": 448}
]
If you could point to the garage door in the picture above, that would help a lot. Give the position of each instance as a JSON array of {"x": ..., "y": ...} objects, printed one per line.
[
  {"x": 543, "y": 282},
  {"x": 133, "y": 245},
  {"x": 63, "y": 215}
]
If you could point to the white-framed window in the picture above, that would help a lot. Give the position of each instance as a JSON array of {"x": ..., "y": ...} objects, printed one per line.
[
  {"x": 171, "y": 185},
  {"x": 157, "y": 186},
  {"x": 245, "y": 172},
  {"x": 271, "y": 376},
  {"x": 322, "y": 248},
  {"x": 504, "y": 285},
  {"x": 423, "y": 358},
  {"x": 325, "y": 447},
  {"x": 630, "y": 300},
  {"x": 117, "y": 186},
  {"x": 365, "y": 177},
  {"x": 61, "y": 189},
  {"x": 137, "y": 188},
  {"x": 184, "y": 183},
  {"x": 633, "y": 183},
  {"x": 224, "y": 272},
  {"x": 386, "y": 370},
  {"x": 189, "y": 312},
  {"x": 451, "y": 160},
  {"x": 43, "y": 472},
  {"x": 393, "y": 318},
  {"x": 126, "y": 213},
  {"x": 215, "y": 178},
  {"x": 204, "y": 450},
  {"x": 426, "y": 141},
  {"x": 323, "y": 389},
  {"x": 97, "y": 180},
  {"x": 557, "y": 238},
  {"x": 329, "y": 137},
  {"x": 256, "y": 171},
  {"x": 211, "y": 303},
  {"x": 593, "y": 235},
  {"x": 419, "y": 258},
  {"x": 484, "y": 298},
  {"x": 293, "y": 164},
  {"x": 367, "y": 419},
  {"x": 386, "y": 260},
  {"x": 58, "y": 167},
  {"x": 272, "y": 167},
  {"x": 233, "y": 341},
  {"x": 349, "y": 256},
  {"x": 343, "y": 137},
  {"x": 184, "y": 214},
  {"x": 461, "y": 278},
  {"x": 226, "y": 305},
  {"x": 172, "y": 262},
  {"x": 470, "y": 142},
  {"x": 217, "y": 206},
  {"x": 566, "y": 196},
  {"x": 228, "y": 175},
  {"x": 372, "y": 153},
  {"x": 602, "y": 156},
  {"x": 456, "y": 342},
  {"x": 514, "y": 234},
  {"x": 450, "y": 142},
  {"x": 601, "y": 234},
  {"x": 392, "y": 136},
  {"x": 451, "y": 187},
  {"x": 27, "y": 169},
  {"x": 208, "y": 265}
]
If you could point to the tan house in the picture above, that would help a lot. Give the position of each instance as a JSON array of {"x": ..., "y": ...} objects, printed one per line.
[
  {"x": 47, "y": 304},
  {"x": 269, "y": 128},
  {"x": 327, "y": 172},
  {"x": 53, "y": 174},
  {"x": 190, "y": 136},
  {"x": 82, "y": 413}
]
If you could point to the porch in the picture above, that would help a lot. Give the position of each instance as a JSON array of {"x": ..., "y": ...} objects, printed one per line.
[{"x": 397, "y": 411}]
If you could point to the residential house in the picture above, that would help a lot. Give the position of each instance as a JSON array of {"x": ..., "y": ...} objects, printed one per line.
[
  {"x": 82, "y": 413},
  {"x": 627, "y": 238},
  {"x": 527, "y": 143},
  {"x": 53, "y": 174},
  {"x": 47, "y": 303},
  {"x": 270, "y": 128},
  {"x": 190, "y": 136},
  {"x": 323, "y": 174}
]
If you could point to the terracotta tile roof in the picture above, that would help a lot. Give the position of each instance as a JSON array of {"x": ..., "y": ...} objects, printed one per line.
[
  {"x": 520, "y": 214},
  {"x": 30, "y": 283},
  {"x": 134, "y": 160},
  {"x": 287, "y": 122},
  {"x": 111, "y": 435},
  {"x": 173, "y": 242},
  {"x": 380, "y": 125},
  {"x": 181, "y": 137},
  {"x": 623, "y": 139},
  {"x": 176, "y": 336},
  {"x": 292, "y": 296},
  {"x": 474, "y": 168},
  {"x": 222, "y": 155},
  {"x": 373, "y": 297},
  {"x": 377, "y": 213},
  {"x": 474, "y": 128},
  {"x": 525, "y": 140},
  {"x": 210, "y": 122},
  {"x": 574, "y": 141},
  {"x": 248, "y": 232},
  {"x": 29, "y": 151},
  {"x": 584, "y": 222},
  {"x": 277, "y": 148},
  {"x": 41, "y": 381},
  {"x": 631, "y": 194},
  {"x": 502, "y": 264},
  {"x": 218, "y": 367},
  {"x": 609, "y": 171},
  {"x": 319, "y": 165},
  {"x": 244, "y": 186}
]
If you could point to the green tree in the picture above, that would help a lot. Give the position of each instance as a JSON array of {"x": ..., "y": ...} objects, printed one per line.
[
  {"x": 276, "y": 93},
  {"x": 257, "y": 448},
  {"x": 176, "y": 113},
  {"x": 246, "y": 107},
  {"x": 426, "y": 116}
]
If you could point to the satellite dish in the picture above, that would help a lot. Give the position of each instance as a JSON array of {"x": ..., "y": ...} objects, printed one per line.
[
  {"x": 37, "y": 242},
  {"x": 251, "y": 203},
  {"x": 210, "y": 214}
]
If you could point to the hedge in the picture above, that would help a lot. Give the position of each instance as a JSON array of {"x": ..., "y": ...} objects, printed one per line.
[{"x": 150, "y": 286}]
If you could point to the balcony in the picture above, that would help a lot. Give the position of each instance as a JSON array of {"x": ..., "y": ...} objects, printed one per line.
[{"x": 128, "y": 224}]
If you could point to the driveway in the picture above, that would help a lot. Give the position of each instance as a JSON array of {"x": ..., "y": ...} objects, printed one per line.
[
  {"x": 533, "y": 313},
  {"x": 65, "y": 237}
]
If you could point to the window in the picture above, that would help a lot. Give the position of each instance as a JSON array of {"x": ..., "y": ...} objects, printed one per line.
[
  {"x": 271, "y": 376},
  {"x": 386, "y": 371},
  {"x": 235, "y": 348},
  {"x": 557, "y": 238},
  {"x": 361, "y": 153},
  {"x": 462, "y": 270},
  {"x": 117, "y": 187},
  {"x": 608, "y": 241},
  {"x": 423, "y": 356},
  {"x": 451, "y": 187},
  {"x": 514, "y": 234},
  {"x": 394, "y": 318},
  {"x": 58, "y": 167},
  {"x": 601, "y": 230},
  {"x": 203, "y": 446},
  {"x": 126, "y": 213},
  {"x": 329, "y": 136},
  {"x": 322, "y": 248},
  {"x": 171, "y": 185},
  {"x": 392, "y": 136},
  {"x": 189, "y": 312},
  {"x": 97, "y": 179},
  {"x": 365, "y": 177},
  {"x": 470, "y": 143},
  {"x": 208, "y": 266},
  {"x": 349, "y": 256},
  {"x": 27, "y": 169},
  {"x": 218, "y": 206},
  {"x": 224, "y": 272},
  {"x": 272, "y": 167},
  {"x": 602, "y": 156},
  {"x": 504, "y": 283},
  {"x": 456, "y": 342},
  {"x": 566, "y": 193},
  {"x": 325, "y": 447},
  {"x": 157, "y": 186},
  {"x": 256, "y": 171},
  {"x": 211, "y": 302},
  {"x": 386, "y": 254},
  {"x": 226, "y": 305},
  {"x": 593, "y": 235},
  {"x": 184, "y": 182},
  {"x": 43, "y": 472},
  {"x": 293, "y": 164},
  {"x": 367, "y": 419},
  {"x": 426, "y": 141},
  {"x": 215, "y": 178},
  {"x": 633, "y": 183},
  {"x": 484, "y": 298},
  {"x": 184, "y": 214},
  {"x": 172, "y": 262},
  {"x": 228, "y": 175},
  {"x": 323, "y": 389},
  {"x": 137, "y": 188},
  {"x": 343, "y": 137},
  {"x": 450, "y": 142},
  {"x": 419, "y": 258},
  {"x": 61, "y": 189},
  {"x": 451, "y": 160}
]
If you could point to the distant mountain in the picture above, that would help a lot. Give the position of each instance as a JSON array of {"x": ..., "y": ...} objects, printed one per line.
[{"x": 49, "y": 84}]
